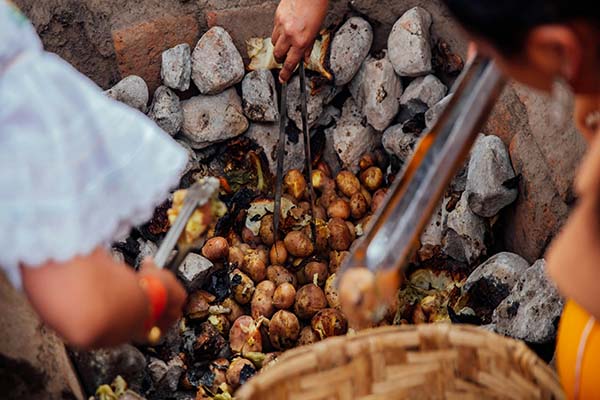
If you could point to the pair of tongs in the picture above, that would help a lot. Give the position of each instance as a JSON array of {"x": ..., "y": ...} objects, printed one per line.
[
  {"x": 198, "y": 195},
  {"x": 396, "y": 229},
  {"x": 283, "y": 120}
]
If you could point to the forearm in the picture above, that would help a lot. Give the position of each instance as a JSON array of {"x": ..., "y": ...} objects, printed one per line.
[{"x": 90, "y": 301}]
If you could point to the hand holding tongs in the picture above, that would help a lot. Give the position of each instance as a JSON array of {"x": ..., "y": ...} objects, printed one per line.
[
  {"x": 281, "y": 152},
  {"x": 395, "y": 230}
]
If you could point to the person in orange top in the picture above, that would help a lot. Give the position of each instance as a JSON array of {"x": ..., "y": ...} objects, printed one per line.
[{"x": 539, "y": 43}]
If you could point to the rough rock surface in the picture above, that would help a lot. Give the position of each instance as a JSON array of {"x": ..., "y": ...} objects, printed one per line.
[
  {"x": 216, "y": 63},
  {"x": 259, "y": 96},
  {"x": 491, "y": 182},
  {"x": 464, "y": 239},
  {"x": 147, "y": 249},
  {"x": 491, "y": 282},
  {"x": 434, "y": 113},
  {"x": 350, "y": 46},
  {"x": 166, "y": 110},
  {"x": 532, "y": 310},
  {"x": 194, "y": 270},
  {"x": 193, "y": 161},
  {"x": 415, "y": 111},
  {"x": 428, "y": 89},
  {"x": 176, "y": 70},
  {"x": 267, "y": 137},
  {"x": 409, "y": 43},
  {"x": 377, "y": 90},
  {"x": 101, "y": 367},
  {"x": 352, "y": 136},
  {"x": 317, "y": 99},
  {"x": 432, "y": 236},
  {"x": 399, "y": 143},
  {"x": 132, "y": 91},
  {"x": 213, "y": 119}
]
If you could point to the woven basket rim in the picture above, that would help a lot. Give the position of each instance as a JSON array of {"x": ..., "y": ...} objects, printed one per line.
[{"x": 291, "y": 362}]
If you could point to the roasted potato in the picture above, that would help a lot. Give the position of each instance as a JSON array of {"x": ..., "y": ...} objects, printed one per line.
[
  {"x": 339, "y": 208},
  {"x": 324, "y": 167},
  {"x": 328, "y": 323},
  {"x": 316, "y": 272},
  {"x": 366, "y": 161},
  {"x": 244, "y": 336},
  {"x": 284, "y": 329},
  {"x": 266, "y": 232},
  {"x": 358, "y": 206},
  {"x": 298, "y": 244},
  {"x": 336, "y": 258},
  {"x": 347, "y": 183},
  {"x": 378, "y": 199},
  {"x": 239, "y": 372},
  {"x": 221, "y": 322},
  {"x": 219, "y": 369},
  {"x": 279, "y": 275},
  {"x": 331, "y": 292},
  {"x": 372, "y": 178},
  {"x": 250, "y": 238},
  {"x": 241, "y": 286},
  {"x": 320, "y": 213},
  {"x": 198, "y": 305},
  {"x": 294, "y": 184},
  {"x": 236, "y": 310},
  {"x": 262, "y": 301},
  {"x": 340, "y": 237},
  {"x": 327, "y": 198},
  {"x": 216, "y": 249},
  {"x": 307, "y": 336},
  {"x": 236, "y": 256},
  {"x": 255, "y": 265},
  {"x": 309, "y": 300},
  {"x": 284, "y": 296},
  {"x": 322, "y": 239},
  {"x": 278, "y": 254}
]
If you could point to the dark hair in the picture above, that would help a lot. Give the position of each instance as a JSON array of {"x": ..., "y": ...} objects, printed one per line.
[{"x": 506, "y": 22}]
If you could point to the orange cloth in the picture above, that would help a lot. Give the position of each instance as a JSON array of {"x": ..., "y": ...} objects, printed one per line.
[{"x": 572, "y": 324}]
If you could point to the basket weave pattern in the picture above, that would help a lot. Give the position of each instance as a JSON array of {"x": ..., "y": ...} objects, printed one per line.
[{"x": 439, "y": 361}]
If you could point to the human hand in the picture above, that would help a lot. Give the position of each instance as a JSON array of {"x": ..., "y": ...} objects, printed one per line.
[
  {"x": 176, "y": 294},
  {"x": 297, "y": 23}
]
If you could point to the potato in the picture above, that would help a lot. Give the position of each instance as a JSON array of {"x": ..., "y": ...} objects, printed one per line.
[
  {"x": 294, "y": 184},
  {"x": 239, "y": 372},
  {"x": 324, "y": 167},
  {"x": 236, "y": 256},
  {"x": 331, "y": 292},
  {"x": 236, "y": 310},
  {"x": 278, "y": 254},
  {"x": 358, "y": 206},
  {"x": 320, "y": 213},
  {"x": 322, "y": 240},
  {"x": 372, "y": 178},
  {"x": 328, "y": 197},
  {"x": 242, "y": 286},
  {"x": 284, "y": 296},
  {"x": 198, "y": 305},
  {"x": 250, "y": 238},
  {"x": 318, "y": 179},
  {"x": 307, "y": 336},
  {"x": 216, "y": 249},
  {"x": 340, "y": 237},
  {"x": 255, "y": 265},
  {"x": 366, "y": 161},
  {"x": 347, "y": 183},
  {"x": 221, "y": 322},
  {"x": 266, "y": 232},
  {"x": 336, "y": 259},
  {"x": 298, "y": 244},
  {"x": 328, "y": 323},
  {"x": 339, "y": 208},
  {"x": 279, "y": 275},
  {"x": 352, "y": 230},
  {"x": 367, "y": 195},
  {"x": 219, "y": 369},
  {"x": 262, "y": 301},
  {"x": 244, "y": 336},
  {"x": 378, "y": 199},
  {"x": 305, "y": 206},
  {"x": 284, "y": 329},
  {"x": 309, "y": 300},
  {"x": 316, "y": 272}
]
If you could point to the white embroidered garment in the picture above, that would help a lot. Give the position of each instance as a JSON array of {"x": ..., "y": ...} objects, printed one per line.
[{"x": 76, "y": 168}]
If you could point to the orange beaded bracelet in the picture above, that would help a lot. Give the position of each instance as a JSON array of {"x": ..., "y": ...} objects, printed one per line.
[{"x": 157, "y": 299}]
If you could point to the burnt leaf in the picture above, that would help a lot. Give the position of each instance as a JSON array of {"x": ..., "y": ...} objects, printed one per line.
[{"x": 219, "y": 284}]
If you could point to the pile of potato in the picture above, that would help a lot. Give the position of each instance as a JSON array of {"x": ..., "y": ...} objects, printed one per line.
[{"x": 283, "y": 294}]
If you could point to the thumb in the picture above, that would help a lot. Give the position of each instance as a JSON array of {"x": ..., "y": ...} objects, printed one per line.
[{"x": 148, "y": 264}]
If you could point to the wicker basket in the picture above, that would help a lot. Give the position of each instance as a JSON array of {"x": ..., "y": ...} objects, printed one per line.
[{"x": 439, "y": 361}]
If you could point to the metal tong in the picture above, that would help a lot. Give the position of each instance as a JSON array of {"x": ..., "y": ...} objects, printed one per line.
[
  {"x": 283, "y": 120},
  {"x": 395, "y": 232},
  {"x": 197, "y": 195}
]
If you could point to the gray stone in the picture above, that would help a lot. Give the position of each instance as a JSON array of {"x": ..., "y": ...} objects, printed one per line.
[
  {"x": 176, "y": 71},
  {"x": 464, "y": 239},
  {"x": 216, "y": 62},
  {"x": 411, "y": 111},
  {"x": 409, "y": 43},
  {"x": 399, "y": 143},
  {"x": 490, "y": 181},
  {"x": 317, "y": 99},
  {"x": 492, "y": 281},
  {"x": 157, "y": 369},
  {"x": 434, "y": 113},
  {"x": 193, "y": 162},
  {"x": 532, "y": 309},
  {"x": 330, "y": 115},
  {"x": 350, "y": 46},
  {"x": 194, "y": 270},
  {"x": 377, "y": 90},
  {"x": 352, "y": 136},
  {"x": 259, "y": 96},
  {"x": 330, "y": 155},
  {"x": 213, "y": 119},
  {"x": 100, "y": 367},
  {"x": 428, "y": 89},
  {"x": 147, "y": 249},
  {"x": 166, "y": 110},
  {"x": 431, "y": 238},
  {"x": 132, "y": 91},
  {"x": 267, "y": 137},
  {"x": 170, "y": 380}
]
